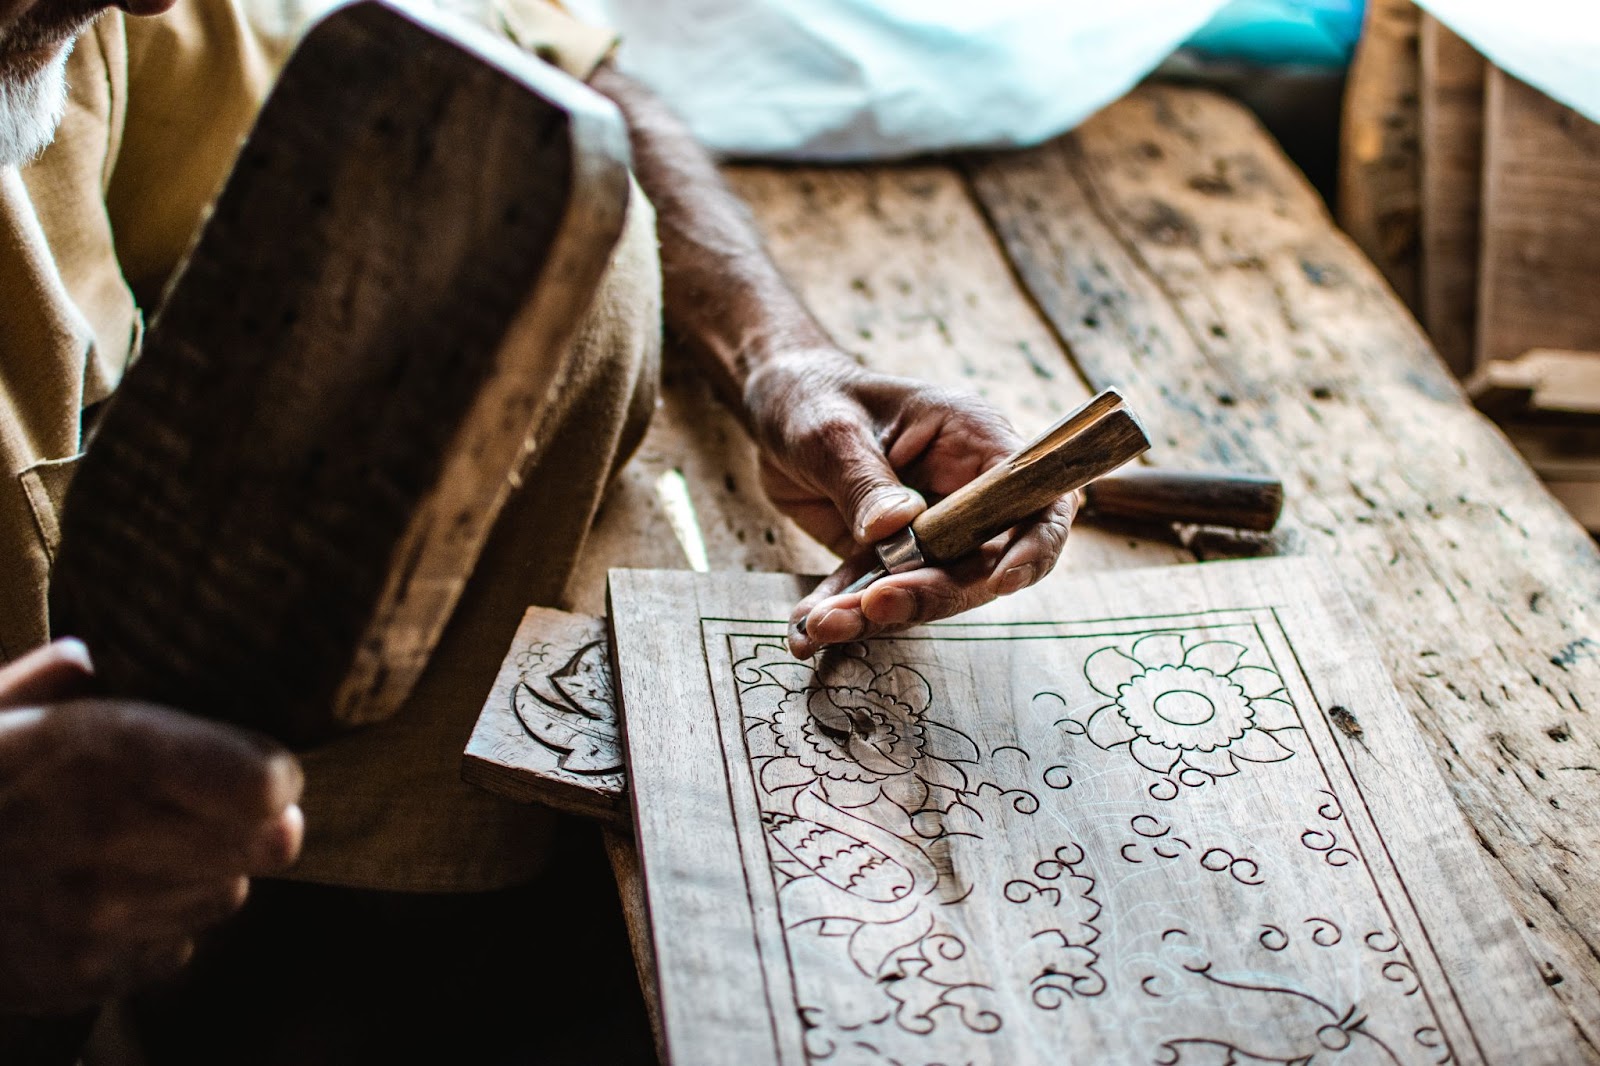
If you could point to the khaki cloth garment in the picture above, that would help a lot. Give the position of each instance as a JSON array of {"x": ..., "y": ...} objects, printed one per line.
[{"x": 91, "y": 232}]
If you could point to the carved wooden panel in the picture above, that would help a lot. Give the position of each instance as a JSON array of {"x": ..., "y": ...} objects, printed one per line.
[
  {"x": 548, "y": 732},
  {"x": 1170, "y": 816}
]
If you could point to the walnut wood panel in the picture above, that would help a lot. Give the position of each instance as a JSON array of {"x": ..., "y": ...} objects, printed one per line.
[
  {"x": 1252, "y": 333},
  {"x": 1172, "y": 815}
]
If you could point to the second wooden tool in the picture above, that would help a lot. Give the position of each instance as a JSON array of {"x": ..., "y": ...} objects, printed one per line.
[
  {"x": 1092, "y": 441},
  {"x": 1250, "y": 502}
]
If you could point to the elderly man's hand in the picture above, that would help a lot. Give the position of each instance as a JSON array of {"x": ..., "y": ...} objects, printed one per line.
[
  {"x": 840, "y": 447},
  {"x": 125, "y": 830}
]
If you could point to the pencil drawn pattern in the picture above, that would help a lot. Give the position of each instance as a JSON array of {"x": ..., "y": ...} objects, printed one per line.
[
  {"x": 1281, "y": 1023},
  {"x": 1189, "y": 714},
  {"x": 951, "y": 874}
]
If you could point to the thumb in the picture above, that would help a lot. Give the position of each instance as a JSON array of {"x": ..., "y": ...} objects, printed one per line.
[
  {"x": 863, "y": 486},
  {"x": 60, "y": 670}
]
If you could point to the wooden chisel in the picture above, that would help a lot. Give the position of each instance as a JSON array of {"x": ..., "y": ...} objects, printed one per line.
[
  {"x": 1079, "y": 451},
  {"x": 1090, "y": 442}
]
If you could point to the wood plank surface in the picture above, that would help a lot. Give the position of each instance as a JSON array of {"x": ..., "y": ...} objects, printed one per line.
[
  {"x": 1171, "y": 815},
  {"x": 1451, "y": 200},
  {"x": 1379, "y": 160},
  {"x": 1252, "y": 333},
  {"x": 1541, "y": 224}
]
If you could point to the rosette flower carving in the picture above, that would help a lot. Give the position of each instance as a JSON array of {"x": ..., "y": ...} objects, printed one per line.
[{"x": 857, "y": 730}]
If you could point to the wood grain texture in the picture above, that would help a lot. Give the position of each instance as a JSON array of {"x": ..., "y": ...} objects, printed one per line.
[
  {"x": 328, "y": 412},
  {"x": 623, "y": 855},
  {"x": 1170, "y": 815},
  {"x": 1451, "y": 106},
  {"x": 1541, "y": 224},
  {"x": 1254, "y": 336},
  {"x": 1379, "y": 161},
  {"x": 549, "y": 731},
  {"x": 1179, "y": 256}
]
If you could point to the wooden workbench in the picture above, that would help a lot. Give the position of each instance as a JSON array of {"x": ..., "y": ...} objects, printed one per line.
[{"x": 1168, "y": 248}]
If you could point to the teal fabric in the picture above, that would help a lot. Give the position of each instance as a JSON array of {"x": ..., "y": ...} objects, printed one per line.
[{"x": 1310, "y": 32}]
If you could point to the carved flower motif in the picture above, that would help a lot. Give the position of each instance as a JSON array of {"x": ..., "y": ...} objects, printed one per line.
[
  {"x": 851, "y": 734},
  {"x": 856, "y": 729},
  {"x": 1177, "y": 708}
]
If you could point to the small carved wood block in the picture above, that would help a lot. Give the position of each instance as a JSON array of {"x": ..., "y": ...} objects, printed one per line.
[
  {"x": 1170, "y": 816},
  {"x": 549, "y": 730}
]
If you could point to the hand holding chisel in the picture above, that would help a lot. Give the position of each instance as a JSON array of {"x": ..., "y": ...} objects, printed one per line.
[
  {"x": 1072, "y": 454},
  {"x": 1094, "y": 440}
]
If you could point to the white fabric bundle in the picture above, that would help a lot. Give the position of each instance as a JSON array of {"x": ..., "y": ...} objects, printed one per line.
[
  {"x": 848, "y": 79},
  {"x": 1553, "y": 45},
  {"x": 854, "y": 79}
]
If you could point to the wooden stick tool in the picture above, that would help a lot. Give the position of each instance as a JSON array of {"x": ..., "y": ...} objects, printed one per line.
[
  {"x": 1252, "y": 502},
  {"x": 1094, "y": 440}
]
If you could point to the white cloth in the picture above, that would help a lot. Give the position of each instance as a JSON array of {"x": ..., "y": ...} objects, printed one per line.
[
  {"x": 852, "y": 79},
  {"x": 859, "y": 79},
  {"x": 1553, "y": 45}
]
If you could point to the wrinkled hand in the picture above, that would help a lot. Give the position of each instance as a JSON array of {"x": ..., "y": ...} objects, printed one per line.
[
  {"x": 851, "y": 456},
  {"x": 125, "y": 830}
]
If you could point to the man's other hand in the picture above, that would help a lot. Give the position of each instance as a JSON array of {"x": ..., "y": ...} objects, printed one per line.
[
  {"x": 850, "y": 456},
  {"x": 125, "y": 830}
]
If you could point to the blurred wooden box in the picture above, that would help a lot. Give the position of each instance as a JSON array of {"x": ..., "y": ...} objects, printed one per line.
[{"x": 1478, "y": 196}]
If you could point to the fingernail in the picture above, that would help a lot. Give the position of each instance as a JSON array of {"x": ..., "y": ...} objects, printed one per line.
[
  {"x": 836, "y": 626},
  {"x": 799, "y": 643},
  {"x": 872, "y": 512},
  {"x": 77, "y": 651},
  {"x": 1018, "y": 577},
  {"x": 279, "y": 845},
  {"x": 890, "y": 606},
  {"x": 286, "y": 781}
]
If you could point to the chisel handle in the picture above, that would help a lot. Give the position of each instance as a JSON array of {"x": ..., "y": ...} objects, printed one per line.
[
  {"x": 1204, "y": 498},
  {"x": 1090, "y": 442}
]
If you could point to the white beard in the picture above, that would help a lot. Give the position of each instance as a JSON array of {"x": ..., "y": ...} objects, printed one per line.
[{"x": 31, "y": 107}]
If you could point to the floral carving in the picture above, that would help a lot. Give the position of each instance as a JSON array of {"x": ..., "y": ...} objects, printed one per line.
[
  {"x": 1194, "y": 711},
  {"x": 856, "y": 732},
  {"x": 572, "y": 709},
  {"x": 858, "y": 786}
]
